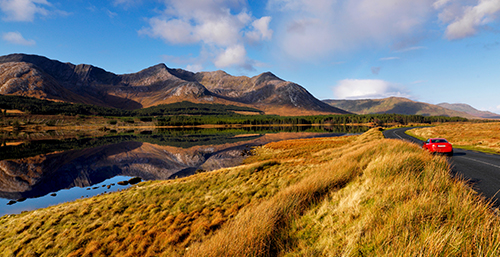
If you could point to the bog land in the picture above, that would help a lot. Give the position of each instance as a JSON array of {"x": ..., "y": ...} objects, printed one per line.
[{"x": 352, "y": 195}]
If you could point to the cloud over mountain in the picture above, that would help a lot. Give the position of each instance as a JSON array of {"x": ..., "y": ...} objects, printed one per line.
[
  {"x": 367, "y": 88},
  {"x": 224, "y": 26},
  {"x": 17, "y": 38}
]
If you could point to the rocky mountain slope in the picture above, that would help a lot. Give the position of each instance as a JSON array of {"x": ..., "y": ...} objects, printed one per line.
[
  {"x": 470, "y": 110},
  {"x": 38, "y": 76},
  {"x": 397, "y": 105}
]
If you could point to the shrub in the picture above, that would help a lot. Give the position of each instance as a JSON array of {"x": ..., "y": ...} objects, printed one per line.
[{"x": 146, "y": 119}]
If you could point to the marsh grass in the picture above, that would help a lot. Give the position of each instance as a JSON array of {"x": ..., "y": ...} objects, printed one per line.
[
  {"x": 483, "y": 137},
  {"x": 350, "y": 196}
]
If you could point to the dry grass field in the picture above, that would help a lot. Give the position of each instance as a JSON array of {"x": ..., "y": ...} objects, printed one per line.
[
  {"x": 473, "y": 136},
  {"x": 346, "y": 196}
]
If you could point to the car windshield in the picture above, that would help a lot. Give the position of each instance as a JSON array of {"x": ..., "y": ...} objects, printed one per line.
[{"x": 439, "y": 141}]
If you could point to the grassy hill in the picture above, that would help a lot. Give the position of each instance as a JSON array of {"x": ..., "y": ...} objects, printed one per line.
[
  {"x": 397, "y": 105},
  {"x": 353, "y": 196},
  {"x": 470, "y": 110}
]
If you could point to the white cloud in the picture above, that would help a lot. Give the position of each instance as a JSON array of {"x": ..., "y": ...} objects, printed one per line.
[
  {"x": 419, "y": 82},
  {"x": 173, "y": 31},
  {"x": 23, "y": 10},
  {"x": 110, "y": 13},
  {"x": 494, "y": 109},
  {"x": 223, "y": 31},
  {"x": 440, "y": 3},
  {"x": 127, "y": 3},
  {"x": 413, "y": 48},
  {"x": 315, "y": 28},
  {"x": 260, "y": 30},
  {"x": 18, "y": 39},
  {"x": 232, "y": 56},
  {"x": 389, "y": 58},
  {"x": 194, "y": 68},
  {"x": 367, "y": 89},
  {"x": 466, "y": 22},
  {"x": 221, "y": 25}
]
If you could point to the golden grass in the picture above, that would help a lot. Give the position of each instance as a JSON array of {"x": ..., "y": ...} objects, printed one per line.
[
  {"x": 15, "y": 112},
  {"x": 475, "y": 136},
  {"x": 404, "y": 204},
  {"x": 349, "y": 196}
]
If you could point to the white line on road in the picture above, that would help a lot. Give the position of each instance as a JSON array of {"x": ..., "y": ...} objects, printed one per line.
[
  {"x": 397, "y": 135},
  {"x": 493, "y": 165}
]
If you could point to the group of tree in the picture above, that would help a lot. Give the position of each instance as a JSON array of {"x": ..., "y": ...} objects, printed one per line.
[{"x": 377, "y": 119}]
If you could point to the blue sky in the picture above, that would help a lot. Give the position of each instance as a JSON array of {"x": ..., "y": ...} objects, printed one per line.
[{"x": 427, "y": 50}]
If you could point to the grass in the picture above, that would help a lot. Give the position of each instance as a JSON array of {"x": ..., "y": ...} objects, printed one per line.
[
  {"x": 349, "y": 196},
  {"x": 483, "y": 137}
]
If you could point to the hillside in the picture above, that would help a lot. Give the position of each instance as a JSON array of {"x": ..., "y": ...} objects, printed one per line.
[
  {"x": 347, "y": 196},
  {"x": 38, "y": 76},
  {"x": 470, "y": 110},
  {"x": 397, "y": 105}
]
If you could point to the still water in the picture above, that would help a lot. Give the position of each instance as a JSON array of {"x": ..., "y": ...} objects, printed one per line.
[{"x": 41, "y": 173}]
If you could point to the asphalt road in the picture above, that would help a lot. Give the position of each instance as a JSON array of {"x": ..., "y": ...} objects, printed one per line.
[{"x": 480, "y": 169}]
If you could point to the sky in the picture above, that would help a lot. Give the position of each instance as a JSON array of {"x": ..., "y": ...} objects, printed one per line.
[{"x": 432, "y": 51}]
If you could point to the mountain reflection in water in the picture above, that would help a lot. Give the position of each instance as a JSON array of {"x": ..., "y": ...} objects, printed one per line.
[{"x": 40, "y": 168}]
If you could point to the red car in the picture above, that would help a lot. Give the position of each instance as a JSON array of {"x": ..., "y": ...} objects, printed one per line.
[{"x": 438, "y": 145}]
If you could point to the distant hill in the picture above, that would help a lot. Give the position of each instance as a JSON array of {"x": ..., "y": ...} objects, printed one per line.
[
  {"x": 397, "y": 105},
  {"x": 470, "y": 110},
  {"x": 40, "y": 77}
]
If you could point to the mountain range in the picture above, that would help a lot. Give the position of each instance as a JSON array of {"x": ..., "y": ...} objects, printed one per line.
[
  {"x": 401, "y": 105},
  {"x": 40, "y": 77},
  {"x": 470, "y": 110}
]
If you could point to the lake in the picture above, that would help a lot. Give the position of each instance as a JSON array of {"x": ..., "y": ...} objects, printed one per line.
[{"x": 40, "y": 173}]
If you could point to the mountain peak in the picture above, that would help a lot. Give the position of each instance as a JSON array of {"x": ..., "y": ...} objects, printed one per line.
[
  {"x": 155, "y": 69},
  {"x": 19, "y": 57},
  {"x": 264, "y": 77}
]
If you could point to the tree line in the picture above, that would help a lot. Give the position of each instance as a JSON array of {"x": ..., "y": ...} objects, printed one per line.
[
  {"x": 187, "y": 113},
  {"x": 44, "y": 107},
  {"x": 377, "y": 119}
]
